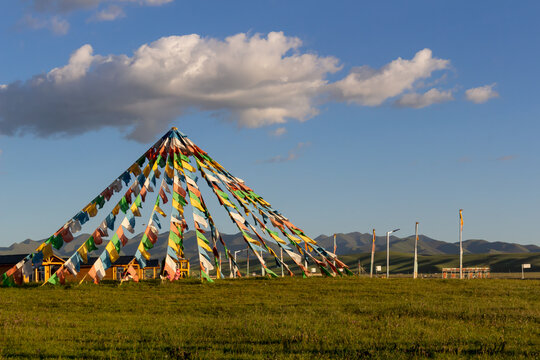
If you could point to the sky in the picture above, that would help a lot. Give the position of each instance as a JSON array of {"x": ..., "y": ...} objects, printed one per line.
[{"x": 346, "y": 116}]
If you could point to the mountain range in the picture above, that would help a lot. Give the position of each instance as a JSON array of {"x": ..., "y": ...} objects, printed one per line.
[{"x": 350, "y": 243}]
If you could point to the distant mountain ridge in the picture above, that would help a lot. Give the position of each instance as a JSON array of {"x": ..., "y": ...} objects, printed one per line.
[{"x": 350, "y": 243}]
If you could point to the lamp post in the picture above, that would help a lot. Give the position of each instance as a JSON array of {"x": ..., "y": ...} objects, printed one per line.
[
  {"x": 415, "y": 268},
  {"x": 388, "y": 252},
  {"x": 372, "y": 255}
]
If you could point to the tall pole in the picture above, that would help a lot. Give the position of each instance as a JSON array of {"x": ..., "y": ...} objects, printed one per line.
[
  {"x": 388, "y": 252},
  {"x": 372, "y": 255},
  {"x": 247, "y": 252},
  {"x": 230, "y": 267},
  {"x": 262, "y": 267},
  {"x": 460, "y": 244},
  {"x": 415, "y": 271},
  {"x": 388, "y": 255},
  {"x": 281, "y": 256},
  {"x": 335, "y": 249},
  {"x": 235, "y": 261}
]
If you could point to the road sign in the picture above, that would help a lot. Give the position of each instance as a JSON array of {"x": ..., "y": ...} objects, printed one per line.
[
  {"x": 526, "y": 266},
  {"x": 378, "y": 268}
]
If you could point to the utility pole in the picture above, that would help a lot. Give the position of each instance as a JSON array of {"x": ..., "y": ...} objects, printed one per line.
[
  {"x": 372, "y": 255},
  {"x": 415, "y": 271},
  {"x": 460, "y": 244}
]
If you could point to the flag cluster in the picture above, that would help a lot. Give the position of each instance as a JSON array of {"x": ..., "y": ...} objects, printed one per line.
[{"x": 179, "y": 163}]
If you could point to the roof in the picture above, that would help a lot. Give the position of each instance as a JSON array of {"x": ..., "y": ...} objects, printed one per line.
[
  {"x": 122, "y": 260},
  {"x": 11, "y": 259}
]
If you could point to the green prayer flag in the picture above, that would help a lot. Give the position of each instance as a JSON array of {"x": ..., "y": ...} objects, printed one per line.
[
  {"x": 146, "y": 242},
  {"x": 124, "y": 206},
  {"x": 184, "y": 157},
  {"x": 54, "y": 279},
  {"x": 138, "y": 201},
  {"x": 177, "y": 240},
  {"x": 206, "y": 277},
  {"x": 100, "y": 201},
  {"x": 141, "y": 160},
  {"x": 56, "y": 241},
  {"x": 201, "y": 236},
  {"x": 326, "y": 272},
  {"x": 116, "y": 242},
  {"x": 161, "y": 161},
  {"x": 90, "y": 244},
  {"x": 273, "y": 274},
  {"x": 7, "y": 280}
]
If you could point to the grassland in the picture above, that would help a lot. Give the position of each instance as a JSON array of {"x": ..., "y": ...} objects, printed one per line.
[{"x": 316, "y": 318}]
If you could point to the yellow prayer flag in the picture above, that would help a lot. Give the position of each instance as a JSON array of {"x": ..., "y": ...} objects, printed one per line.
[
  {"x": 275, "y": 237},
  {"x": 116, "y": 209},
  {"x": 146, "y": 170},
  {"x": 157, "y": 173},
  {"x": 158, "y": 209},
  {"x": 188, "y": 166},
  {"x": 196, "y": 204},
  {"x": 204, "y": 245},
  {"x": 111, "y": 249},
  {"x": 46, "y": 249},
  {"x": 178, "y": 206},
  {"x": 169, "y": 171},
  {"x": 143, "y": 251},
  {"x": 174, "y": 245},
  {"x": 83, "y": 251},
  {"x": 135, "y": 210},
  {"x": 307, "y": 239},
  {"x": 461, "y": 218}
]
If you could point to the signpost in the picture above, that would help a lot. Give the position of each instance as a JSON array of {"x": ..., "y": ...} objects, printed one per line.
[{"x": 524, "y": 266}]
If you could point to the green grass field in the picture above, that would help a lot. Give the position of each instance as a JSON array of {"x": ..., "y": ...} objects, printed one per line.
[{"x": 316, "y": 318}]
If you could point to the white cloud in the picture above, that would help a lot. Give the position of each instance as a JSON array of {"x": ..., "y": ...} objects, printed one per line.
[
  {"x": 112, "y": 12},
  {"x": 51, "y": 14},
  {"x": 55, "y": 24},
  {"x": 293, "y": 154},
  {"x": 278, "y": 132},
  {"x": 481, "y": 94},
  {"x": 417, "y": 101},
  {"x": 251, "y": 81},
  {"x": 367, "y": 86}
]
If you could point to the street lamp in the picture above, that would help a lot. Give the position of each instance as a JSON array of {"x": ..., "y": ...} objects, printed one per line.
[{"x": 388, "y": 252}]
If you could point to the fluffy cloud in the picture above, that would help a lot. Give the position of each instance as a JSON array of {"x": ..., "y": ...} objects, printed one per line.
[
  {"x": 54, "y": 24},
  {"x": 51, "y": 14},
  {"x": 251, "y": 81},
  {"x": 255, "y": 81},
  {"x": 481, "y": 94},
  {"x": 67, "y": 6},
  {"x": 110, "y": 13},
  {"x": 417, "y": 101},
  {"x": 367, "y": 86}
]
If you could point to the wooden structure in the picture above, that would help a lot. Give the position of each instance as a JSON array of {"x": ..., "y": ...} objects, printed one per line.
[
  {"x": 39, "y": 274},
  {"x": 182, "y": 266},
  {"x": 468, "y": 273}
]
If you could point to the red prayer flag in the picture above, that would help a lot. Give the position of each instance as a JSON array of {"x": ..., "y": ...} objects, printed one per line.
[{"x": 163, "y": 196}]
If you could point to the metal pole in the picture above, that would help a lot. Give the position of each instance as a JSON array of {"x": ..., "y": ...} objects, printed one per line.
[
  {"x": 335, "y": 249},
  {"x": 372, "y": 255},
  {"x": 388, "y": 255},
  {"x": 281, "y": 250},
  {"x": 415, "y": 271},
  {"x": 235, "y": 261},
  {"x": 262, "y": 267},
  {"x": 460, "y": 244}
]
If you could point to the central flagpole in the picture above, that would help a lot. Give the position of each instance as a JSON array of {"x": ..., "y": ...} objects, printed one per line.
[
  {"x": 415, "y": 271},
  {"x": 372, "y": 255},
  {"x": 335, "y": 249},
  {"x": 460, "y": 244}
]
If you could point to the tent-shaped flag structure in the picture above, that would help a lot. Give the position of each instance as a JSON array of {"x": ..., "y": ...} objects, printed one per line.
[{"x": 183, "y": 167}]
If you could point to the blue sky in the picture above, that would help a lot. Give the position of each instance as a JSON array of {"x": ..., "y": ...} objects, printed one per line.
[{"x": 310, "y": 105}]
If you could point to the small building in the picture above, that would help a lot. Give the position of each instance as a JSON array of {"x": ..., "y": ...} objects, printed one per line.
[
  {"x": 41, "y": 273},
  {"x": 468, "y": 273}
]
